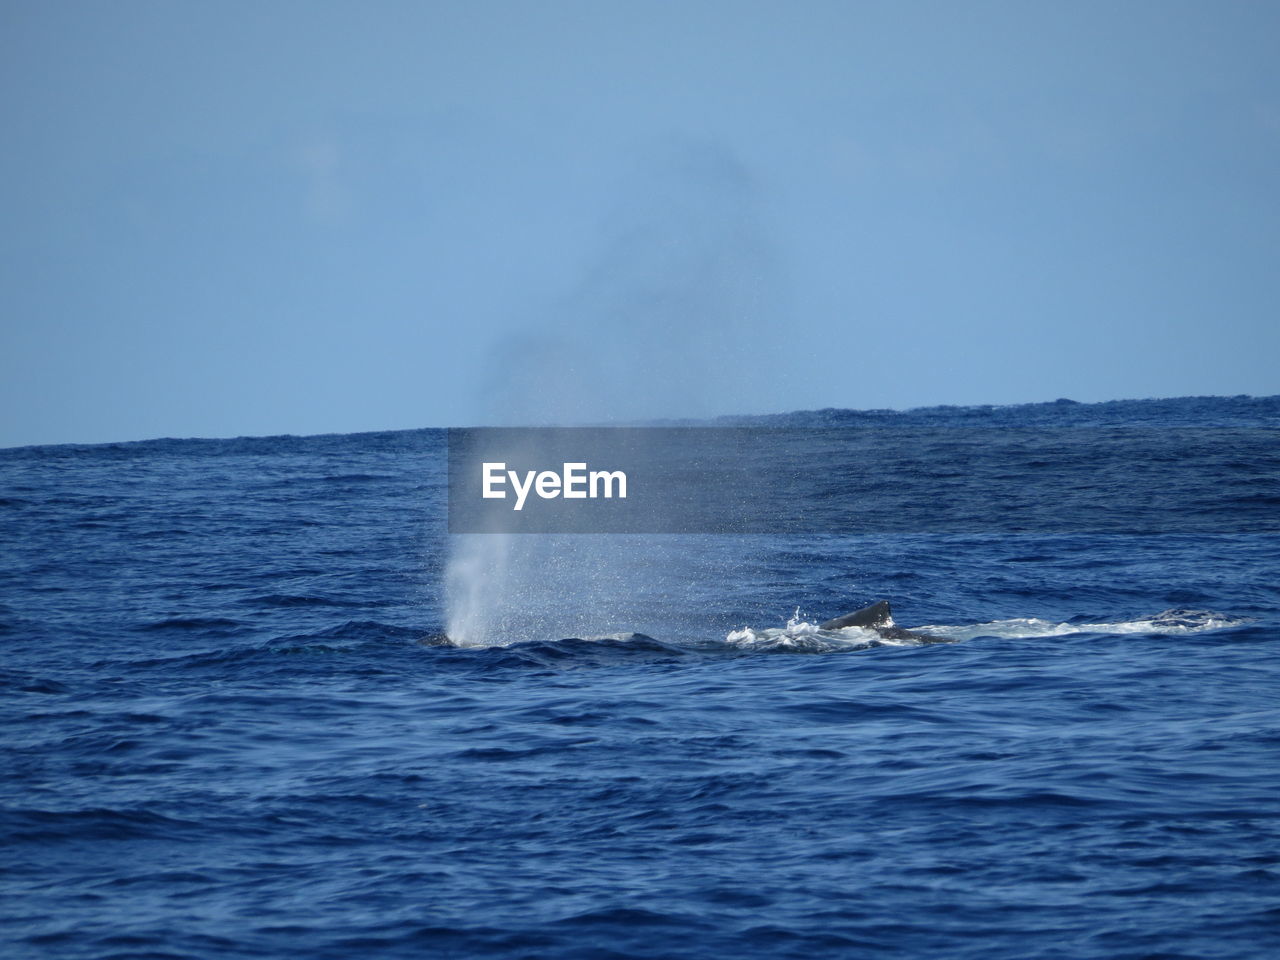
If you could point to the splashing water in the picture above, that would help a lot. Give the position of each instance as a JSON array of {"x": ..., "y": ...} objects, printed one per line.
[
  {"x": 1174, "y": 622},
  {"x": 800, "y": 635}
]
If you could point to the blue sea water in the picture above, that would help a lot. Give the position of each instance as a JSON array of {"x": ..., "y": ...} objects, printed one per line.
[{"x": 236, "y": 725}]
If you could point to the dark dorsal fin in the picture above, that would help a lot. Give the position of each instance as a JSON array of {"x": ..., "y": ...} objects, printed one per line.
[{"x": 876, "y": 615}]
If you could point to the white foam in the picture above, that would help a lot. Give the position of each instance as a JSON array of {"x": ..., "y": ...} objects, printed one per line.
[
  {"x": 1166, "y": 622},
  {"x": 801, "y": 635}
]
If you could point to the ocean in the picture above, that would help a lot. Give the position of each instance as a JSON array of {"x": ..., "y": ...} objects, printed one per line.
[{"x": 241, "y": 718}]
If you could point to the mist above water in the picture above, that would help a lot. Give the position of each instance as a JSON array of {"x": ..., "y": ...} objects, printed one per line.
[
  {"x": 667, "y": 322},
  {"x": 670, "y": 317}
]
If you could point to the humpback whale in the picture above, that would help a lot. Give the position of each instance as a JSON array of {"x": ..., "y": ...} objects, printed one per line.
[{"x": 879, "y": 617}]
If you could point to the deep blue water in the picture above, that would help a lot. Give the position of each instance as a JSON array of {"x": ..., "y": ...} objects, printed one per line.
[{"x": 234, "y": 725}]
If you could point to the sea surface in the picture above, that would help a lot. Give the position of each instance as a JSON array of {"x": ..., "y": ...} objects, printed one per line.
[{"x": 253, "y": 705}]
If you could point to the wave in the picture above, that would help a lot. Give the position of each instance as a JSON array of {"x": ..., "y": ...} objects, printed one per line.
[
  {"x": 295, "y": 600},
  {"x": 1239, "y": 410},
  {"x": 1167, "y": 622},
  {"x": 202, "y": 624},
  {"x": 801, "y": 636}
]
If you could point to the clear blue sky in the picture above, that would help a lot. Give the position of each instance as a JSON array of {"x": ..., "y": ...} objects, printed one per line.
[{"x": 296, "y": 217}]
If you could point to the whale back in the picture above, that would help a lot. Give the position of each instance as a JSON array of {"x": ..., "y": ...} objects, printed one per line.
[{"x": 876, "y": 615}]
